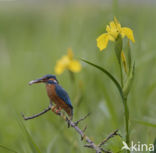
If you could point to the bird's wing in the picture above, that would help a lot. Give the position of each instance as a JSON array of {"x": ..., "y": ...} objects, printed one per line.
[{"x": 63, "y": 95}]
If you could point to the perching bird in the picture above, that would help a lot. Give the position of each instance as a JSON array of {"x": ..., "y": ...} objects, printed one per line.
[{"x": 56, "y": 94}]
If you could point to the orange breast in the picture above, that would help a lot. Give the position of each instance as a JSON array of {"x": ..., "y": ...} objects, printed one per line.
[
  {"x": 51, "y": 91},
  {"x": 58, "y": 101}
]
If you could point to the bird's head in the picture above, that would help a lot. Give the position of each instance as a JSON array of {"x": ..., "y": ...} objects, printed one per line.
[{"x": 48, "y": 79}]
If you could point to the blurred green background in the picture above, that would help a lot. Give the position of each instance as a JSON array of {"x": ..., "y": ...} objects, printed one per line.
[{"x": 34, "y": 35}]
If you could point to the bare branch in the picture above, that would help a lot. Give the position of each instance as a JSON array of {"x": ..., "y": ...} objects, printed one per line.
[
  {"x": 115, "y": 133},
  {"x": 36, "y": 115},
  {"x": 90, "y": 143}
]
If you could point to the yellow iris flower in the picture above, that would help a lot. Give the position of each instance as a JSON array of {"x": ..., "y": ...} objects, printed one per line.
[
  {"x": 114, "y": 29},
  {"x": 67, "y": 62}
]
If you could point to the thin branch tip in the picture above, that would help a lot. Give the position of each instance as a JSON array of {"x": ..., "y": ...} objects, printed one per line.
[
  {"x": 115, "y": 133},
  {"x": 81, "y": 119},
  {"x": 36, "y": 115},
  {"x": 85, "y": 128}
]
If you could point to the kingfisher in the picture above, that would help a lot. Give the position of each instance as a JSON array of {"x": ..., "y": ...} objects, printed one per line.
[{"x": 56, "y": 94}]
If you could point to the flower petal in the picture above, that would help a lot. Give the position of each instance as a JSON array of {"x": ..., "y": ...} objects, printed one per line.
[
  {"x": 108, "y": 29},
  {"x": 118, "y": 25},
  {"x": 59, "y": 69},
  {"x": 61, "y": 65},
  {"x": 128, "y": 33},
  {"x": 64, "y": 60},
  {"x": 114, "y": 28},
  {"x": 75, "y": 66},
  {"x": 102, "y": 41}
]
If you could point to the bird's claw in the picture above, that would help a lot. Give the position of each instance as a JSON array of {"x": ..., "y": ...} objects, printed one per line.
[
  {"x": 55, "y": 110},
  {"x": 68, "y": 122}
]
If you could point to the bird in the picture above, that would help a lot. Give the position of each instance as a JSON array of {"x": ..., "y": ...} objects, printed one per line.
[{"x": 56, "y": 94}]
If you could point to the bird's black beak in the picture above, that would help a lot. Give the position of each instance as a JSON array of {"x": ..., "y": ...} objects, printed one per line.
[{"x": 40, "y": 80}]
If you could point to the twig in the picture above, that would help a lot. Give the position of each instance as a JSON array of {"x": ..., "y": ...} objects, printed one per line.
[
  {"x": 90, "y": 143},
  {"x": 115, "y": 133},
  {"x": 36, "y": 115},
  {"x": 84, "y": 128},
  {"x": 105, "y": 151},
  {"x": 77, "y": 122}
]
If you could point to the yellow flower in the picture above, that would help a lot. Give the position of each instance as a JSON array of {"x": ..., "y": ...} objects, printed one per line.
[
  {"x": 67, "y": 62},
  {"x": 113, "y": 31}
]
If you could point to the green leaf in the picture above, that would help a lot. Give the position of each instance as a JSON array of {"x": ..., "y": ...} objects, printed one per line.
[
  {"x": 31, "y": 142},
  {"x": 8, "y": 149},
  {"x": 128, "y": 83},
  {"x": 108, "y": 74}
]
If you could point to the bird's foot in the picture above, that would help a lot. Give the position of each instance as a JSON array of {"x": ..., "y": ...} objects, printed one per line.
[
  {"x": 55, "y": 110},
  {"x": 58, "y": 111}
]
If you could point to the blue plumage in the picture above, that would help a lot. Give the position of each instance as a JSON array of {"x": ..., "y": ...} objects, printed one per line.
[
  {"x": 63, "y": 95},
  {"x": 56, "y": 94}
]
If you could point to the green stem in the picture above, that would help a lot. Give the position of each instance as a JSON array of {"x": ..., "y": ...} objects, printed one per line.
[
  {"x": 126, "y": 121},
  {"x": 126, "y": 111},
  {"x": 72, "y": 77}
]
